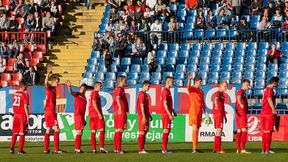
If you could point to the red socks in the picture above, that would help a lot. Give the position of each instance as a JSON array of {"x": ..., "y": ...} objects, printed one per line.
[
  {"x": 115, "y": 140},
  {"x": 102, "y": 139},
  {"x": 93, "y": 140},
  {"x": 56, "y": 141},
  {"x": 21, "y": 143},
  {"x": 119, "y": 141},
  {"x": 141, "y": 142},
  {"x": 268, "y": 140},
  {"x": 243, "y": 140},
  {"x": 78, "y": 142},
  {"x": 164, "y": 141},
  {"x": 46, "y": 141},
  {"x": 217, "y": 143},
  {"x": 238, "y": 140},
  {"x": 13, "y": 141}
]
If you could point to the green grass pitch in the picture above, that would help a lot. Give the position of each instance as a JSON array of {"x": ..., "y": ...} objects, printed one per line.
[{"x": 181, "y": 152}]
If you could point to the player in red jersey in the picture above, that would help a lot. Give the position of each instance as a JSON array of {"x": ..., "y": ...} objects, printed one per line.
[
  {"x": 168, "y": 112},
  {"x": 218, "y": 112},
  {"x": 21, "y": 117},
  {"x": 143, "y": 116},
  {"x": 268, "y": 114},
  {"x": 97, "y": 121},
  {"x": 120, "y": 105},
  {"x": 80, "y": 103},
  {"x": 50, "y": 112},
  {"x": 241, "y": 117}
]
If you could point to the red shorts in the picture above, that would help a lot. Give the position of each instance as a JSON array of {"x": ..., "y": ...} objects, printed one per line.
[
  {"x": 241, "y": 120},
  {"x": 143, "y": 126},
  {"x": 20, "y": 123},
  {"x": 120, "y": 121},
  {"x": 195, "y": 119},
  {"x": 50, "y": 119},
  {"x": 79, "y": 122},
  {"x": 218, "y": 121},
  {"x": 166, "y": 122},
  {"x": 96, "y": 123},
  {"x": 268, "y": 121}
]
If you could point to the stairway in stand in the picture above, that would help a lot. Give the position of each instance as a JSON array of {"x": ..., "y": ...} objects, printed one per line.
[{"x": 72, "y": 45}]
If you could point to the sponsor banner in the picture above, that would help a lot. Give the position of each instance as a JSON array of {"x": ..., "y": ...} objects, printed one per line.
[
  {"x": 65, "y": 101},
  {"x": 207, "y": 130},
  {"x": 255, "y": 128},
  {"x": 36, "y": 129}
]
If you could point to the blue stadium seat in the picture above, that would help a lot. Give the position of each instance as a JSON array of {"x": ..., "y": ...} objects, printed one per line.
[
  {"x": 252, "y": 46},
  {"x": 230, "y": 46},
  {"x": 195, "y": 53},
  {"x": 283, "y": 83},
  {"x": 169, "y": 68},
  {"x": 153, "y": 81},
  {"x": 102, "y": 68},
  {"x": 188, "y": 34},
  {"x": 261, "y": 67},
  {"x": 161, "y": 54},
  {"x": 190, "y": 25},
  {"x": 238, "y": 60},
  {"x": 204, "y": 67},
  {"x": 166, "y": 74},
  {"x": 205, "y": 53},
  {"x": 145, "y": 68},
  {"x": 193, "y": 60},
  {"x": 255, "y": 18},
  {"x": 232, "y": 33},
  {"x": 116, "y": 61},
  {"x": 213, "y": 76},
  {"x": 133, "y": 76},
  {"x": 192, "y": 13},
  {"x": 251, "y": 52},
  {"x": 210, "y": 33},
  {"x": 178, "y": 83},
  {"x": 174, "y": 47},
  {"x": 260, "y": 75},
  {"x": 259, "y": 83},
  {"x": 131, "y": 82},
  {"x": 135, "y": 68},
  {"x": 145, "y": 76},
  {"x": 101, "y": 61},
  {"x": 284, "y": 45},
  {"x": 237, "y": 75},
  {"x": 113, "y": 68},
  {"x": 239, "y": 53},
  {"x": 109, "y": 84},
  {"x": 160, "y": 61},
  {"x": 173, "y": 7},
  {"x": 250, "y": 60},
  {"x": 227, "y": 61},
  {"x": 262, "y": 52},
  {"x": 110, "y": 76},
  {"x": 271, "y": 74},
  {"x": 163, "y": 47},
  {"x": 238, "y": 68},
  {"x": 179, "y": 76},
  {"x": 207, "y": 46},
  {"x": 216, "y": 60},
  {"x": 273, "y": 67},
  {"x": 124, "y": 68},
  {"x": 192, "y": 68},
  {"x": 248, "y": 75},
  {"x": 284, "y": 67},
  {"x": 217, "y": 53},
  {"x": 254, "y": 25},
  {"x": 199, "y": 33},
  {"x": 263, "y": 45},
  {"x": 95, "y": 54},
  {"x": 241, "y": 46},
  {"x": 99, "y": 76},
  {"x": 225, "y": 75},
  {"x": 91, "y": 68},
  {"x": 196, "y": 46},
  {"x": 215, "y": 68},
  {"x": 218, "y": 46},
  {"x": 250, "y": 68},
  {"x": 261, "y": 60},
  {"x": 221, "y": 33},
  {"x": 226, "y": 67},
  {"x": 185, "y": 47},
  {"x": 181, "y": 68},
  {"x": 181, "y": 16},
  {"x": 137, "y": 61},
  {"x": 203, "y": 75},
  {"x": 92, "y": 61},
  {"x": 182, "y": 60},
  {"x": 156, "y": 76},
  {"x": 88, "y": 75},
  {"x": 126, "y": 61},
  {"x": 205, "y": 60},
  {"x": 173, "y": 54},
  {"x": 181, "y": 26},
  {"x": 184, "y": 53},
  {"x": 170, "y": 61},
  {"x": 228, "y": 54}
]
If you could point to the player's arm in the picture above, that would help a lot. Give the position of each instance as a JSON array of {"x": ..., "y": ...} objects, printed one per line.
[
  {"x": 144, "y": 120},
  {"x": 167, "y": 110},
  {"x": 239, "y": 101},
  {"x": 97, "y": 109},
  {"x": 49, "y": 71},
  {"x": 26, "y": 112},
  {"x": 119, "y": 105},
  {"x": 271, "y": 104},
  {"x": 68, "y": 83},
  {"x": 216, "y": 102},
  {"x": 190, "y": 76}
]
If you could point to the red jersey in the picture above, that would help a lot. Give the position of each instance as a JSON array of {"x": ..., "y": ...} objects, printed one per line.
[
  {"x": 268, "y": 93},
  {"x": 276, "y": 55},
  {"x": 119, "y": 91},
  {"x": 244, "y": 101},
  {"x": 221, "y": 100},
  {"x": 166, "y": 96},
  {"x": 19, "y": 99},
  {"x": 143, "y": 99},
  {"x": 80, "y": 103},
  {"x": 95, "y": 97},
  {"x": 50, "y": 99}
]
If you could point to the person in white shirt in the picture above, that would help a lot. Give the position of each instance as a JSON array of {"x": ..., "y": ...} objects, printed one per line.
[
  {"x": 151, "y": 3},
  {"x": 156, "y": 29}
]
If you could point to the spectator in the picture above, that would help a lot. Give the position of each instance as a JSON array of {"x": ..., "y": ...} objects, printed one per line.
[
  {"x": 3, "y": 49},
  {"x": 139, "y": 48},
  {"x": 243, "y": 28},
  {"x": 54, "y": 9},
  {"x": 151, "y": 60},
  {"x": 113, "y": 3},
  {"x": 151, "y": 4},
  {"x": 156, "y": 29},
  {"x": 172, "y": 26},
  {"x": 141, "y": 6},
  {"x": 286, "y": 9},
  {"x": 236, "y": 4},
  {"x": 14, "y": 49},
  {"x": 149, "y": 15},
  {"x": 200, "y": 21},
  {"x": 108, "y": 59},
  {"x": 256, "y": 7},
  {"x": 4, "y": 23},
  {"x": 274, "y": 55},
  {"x": 48, "y": 23},
  {"x": 271, "y": 10},
  {"x": 284, "y": 27},
  {"x": 160, "y": 6},
  {"x": 143, "y": 26},
  {"x": 12, "y": 5},
  {"x": 113, "y": 15},
  {"x": 33, "y": 7},
  {"x": 13, "y": 24},
  {"x": 2, "y": 68},
  {"x": 131, "y": 7},
  {"x": 122, "y": 46},
  {"x": 264, "y": 24},
  {"x": 138, "y": 15},
  {"x": 168, "y": 13},
  {"x": 20, "y": 64},
  {"x": 233, "y": 23},
  {"x": 210, "y": 20},
  {"x": 96, "y": 44},
  {"x": 29, "y": 23},
  {"x": 279, "y": 4},
  {"x": 277, "y": 19},
  {"x": 265, "y": 13},
  {"x": 31, "y": 77},
  {"x": 37, "y": 22},
  {"x": 122, "y": 26},
  {"x": 222, "y": 20},
  {"x": 226, "y": 8},
  {"x": 133, "y": 27},
  {"x": 3, "y": 9},
  {"x": 191, "y": 4}
]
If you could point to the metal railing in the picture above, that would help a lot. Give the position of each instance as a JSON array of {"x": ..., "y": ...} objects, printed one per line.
[{"x": 26, "y": 37}]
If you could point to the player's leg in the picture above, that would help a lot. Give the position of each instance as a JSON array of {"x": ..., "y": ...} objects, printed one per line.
[
  {"x": 93, "y": 140},
  {"x": 238, "y": 140},
  {"x": 165, "y": 136},
  {"x": 56, "y": 139},
  {"x": 243, "y": 141},
  {"x": 47, "y": 139},
  {"x": 217, "y": 141},
  {"x": 21, "y": 143},
  {"x": 13, "y": 141},
  {"x": 102, "y": 139},
  {"x": 119, "y": 141},
  {"x": 141, "y": 139},
  {"x": 268, "y": 131},
  {"x": 78, "y": 141},
  {"x": 195, "y": 131}
]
